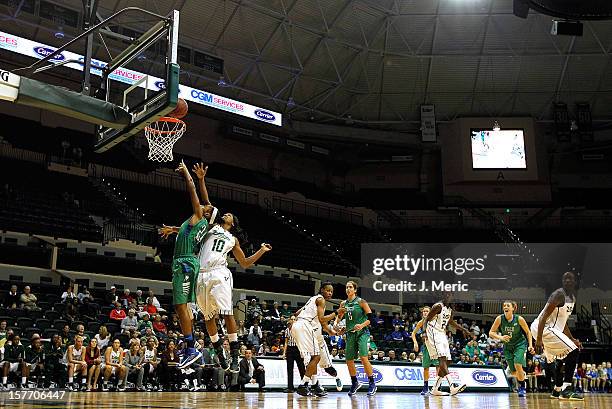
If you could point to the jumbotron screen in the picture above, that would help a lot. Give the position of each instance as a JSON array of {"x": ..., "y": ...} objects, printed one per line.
[{"x": 503, "y": 149}]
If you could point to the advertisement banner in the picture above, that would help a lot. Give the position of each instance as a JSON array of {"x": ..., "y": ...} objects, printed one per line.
[
  {"x": 34, "y": 49},
  {"x": 390, "y": 375}
]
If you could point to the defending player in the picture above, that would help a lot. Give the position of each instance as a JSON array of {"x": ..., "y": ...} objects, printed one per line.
[
  {"x": 515, "y": 345},
  {"x": 310, "y": 317},
  {"x": 185, "y": 264},
  {"x": 553, "y": 336},
  {"x": 215, "y": 283},
  {"x": 427, "y": 361},
  {"x": 436, "y": 322},
  {"x": 358, "y": 318}
]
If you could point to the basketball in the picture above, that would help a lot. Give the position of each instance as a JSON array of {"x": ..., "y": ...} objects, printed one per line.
[{"x": 181, "y": 109}]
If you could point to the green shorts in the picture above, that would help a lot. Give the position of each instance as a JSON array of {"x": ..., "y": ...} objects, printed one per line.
[
  {"x": 184, "y": 274},
  {"x": 427, "y": 361},
  {"x": 357, "y": 344},
  {"x": 515, "y": 355}
]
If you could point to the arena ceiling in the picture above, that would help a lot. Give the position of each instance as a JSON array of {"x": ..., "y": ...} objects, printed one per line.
[{"x": 377, "y": 61}]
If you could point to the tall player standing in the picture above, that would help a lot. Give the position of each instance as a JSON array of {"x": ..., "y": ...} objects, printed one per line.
[
  {"x": 554, "y": 338},
  {"x": 215, "y": 283},
  {"x": 515, "y": 345},
  {"x": 185, "y": 263},
  {"x": 436, "y": 322},
  {"x": 358, "y": 318}
]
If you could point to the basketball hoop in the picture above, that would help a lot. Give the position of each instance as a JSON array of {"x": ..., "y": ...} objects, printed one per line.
[{"x": 161, "y": 136}]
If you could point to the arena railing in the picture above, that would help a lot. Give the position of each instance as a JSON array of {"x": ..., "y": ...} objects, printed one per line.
[{"x": 316, "y": 210}]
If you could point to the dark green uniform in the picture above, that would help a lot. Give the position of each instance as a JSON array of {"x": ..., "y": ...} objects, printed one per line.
[
  {"x": 356, "y": 341},
  {"x": 186, "y": 265},
  {"x": 515, "y": 349}
]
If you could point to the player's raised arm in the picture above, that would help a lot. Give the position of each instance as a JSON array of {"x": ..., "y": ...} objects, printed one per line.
[
  {"x": 555, "y": 300},
  {"x": 246, "y": 262},
  {"x": 167, "y": 231},
  {"x": 193, "y": 195},
  {"x": 435, "y": 310},
  {"x": 200, "y": 171},
  {"x": 453, "y": 323}
]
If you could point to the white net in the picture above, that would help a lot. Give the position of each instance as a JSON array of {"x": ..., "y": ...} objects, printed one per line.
[{"x": 161, "y": 136}]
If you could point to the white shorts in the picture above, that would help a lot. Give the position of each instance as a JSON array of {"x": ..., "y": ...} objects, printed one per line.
[
  {"x": 13, "y": 366},
  {"x": 556, "y": 344},
  {"x": 77, "y": 367},
  {"x": 214, "y": 292},
  {"x": 326, "y": 359},
  {"x": 437, "y": 345},
  {"x": 306, "y": 339}
]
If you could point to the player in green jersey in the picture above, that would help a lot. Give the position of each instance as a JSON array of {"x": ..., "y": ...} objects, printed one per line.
[
  {"x": 515, "y": 344},
  {"x": 358, "y": 315},
  {"x": 185, "y": 263},
  {"x": 427, "y": 361}
]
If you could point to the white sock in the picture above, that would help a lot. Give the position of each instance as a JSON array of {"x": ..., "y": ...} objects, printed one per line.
[
  {"x": 4, "y": 380},
  {"x": 23, "y": 380},
  {"x": 565, "y": 385},
  {"x": 70, "y": 379},
  {"x": 305, "y": 380},
  {"x": 83, "y": 380},
  {"x": 195, "y": 382},
  {"x": 438, "y": 383},
  {"x": 214, "y": 338},
  {"x": 313, "y": 379},
  {"x": 233, "y": 337}
]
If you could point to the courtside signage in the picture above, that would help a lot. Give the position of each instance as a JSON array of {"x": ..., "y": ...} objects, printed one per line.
[{"x": 34, "y": 49}]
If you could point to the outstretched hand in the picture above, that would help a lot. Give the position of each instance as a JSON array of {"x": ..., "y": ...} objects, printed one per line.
[
  {"x": 165, "y": 231},
  {"x": 200, "y": 170},
  {"x": 182, "y": 168},
  {"x": 266, "y": 247}
]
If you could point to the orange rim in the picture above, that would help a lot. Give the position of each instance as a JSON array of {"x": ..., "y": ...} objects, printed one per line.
[{"x": 181, "y": 125}]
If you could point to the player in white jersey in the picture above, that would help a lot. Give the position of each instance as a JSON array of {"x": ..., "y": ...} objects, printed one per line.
[
  {"x": 113, "y": 359},
  {"x": 305, "y": 332},
  {"x": 436, "y": 322},
  {"x": 75, "y": 361},
  {"x": 215, "y": 283},
  {"x": 553, "y": 336}
]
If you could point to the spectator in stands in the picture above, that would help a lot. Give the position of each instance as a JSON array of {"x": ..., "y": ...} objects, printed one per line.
[
  {"x": 156, "y": 302},
  {"x": 71, "y": 312},
  {"x": 475, "y": 329},
  {"x": 93, "y": 360},
  {"x": 111, "y": 297},
  {"x": 113, "y": 365},
  {"x": 150, "y": 307},
  {"x": 139, "y": 299},
  {"x": 14, "y": 354},
  {"x": 132, "y": 361},
  {"x": 35, "y": 361},
  {"x": 28, "y": 300},
  {"x": 255, "y": 335},
  {"x": 380, "y": 356},
  {"x": 129, "y": 323},
  {"x": 379, "y": 320},
  {"x": 609, "y": 376},
  {"x": 397, "y": 321},
  {"x": 75, "y": 361},
  {"x": 174, "y": 324},
  {"x": 580, "y": 379},
  {"x": 148, "y": 334},
  {"x": 11, "y": 300},
  {"x": 202, "y": 374},
  {"x": 169, "y": 373},
  {"x": 126, "y": 298},
  {"x": 159, "y": 327},
  {"x": 117, "y": 314},
  {"x": 372, "y": 345},
  {"x": 80, "y": 331},
  {"x": 3, "y": 332},
  {"x": 603, "y": 377},
  {"x": 69, "y": 295},
  {"x": 84, "y": 294},
  {"x": 418, "y": 358},
  {"x": 103, "y": 337},
  {"x": 263, "y": 349},
  {"x": 274, "y": 316},
  {"x": 404, "y": 356},
  {"x": 398, "y": 335},
  {"x": 242, "y": 331},
  {"x": 65, "y": 334},
  {"x": 530, "y": 371},
  {"x": 392, "y": 356},
  {"x": 144, "y": 323},
  {"x": 251, "y": 371},
  {"x": 285, "y": 311},
  {"x": 593, "y": 377},
  {"x": 54, "y": 368},
  {"x": 253, "y": 312}
]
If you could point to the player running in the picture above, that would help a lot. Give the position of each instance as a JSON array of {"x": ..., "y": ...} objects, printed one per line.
[
  {"x": 185, "y": 263},
  {"x": 358, "y": 318},
  {"x": 553, "y": 336},
  {"x": 515, "y": 345},
  {"x": 426, "y": 361},
  {"x": 436, "y": 322}
]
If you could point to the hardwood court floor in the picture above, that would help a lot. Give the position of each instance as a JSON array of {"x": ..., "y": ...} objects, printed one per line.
[{"x": 276, "y": 400}]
